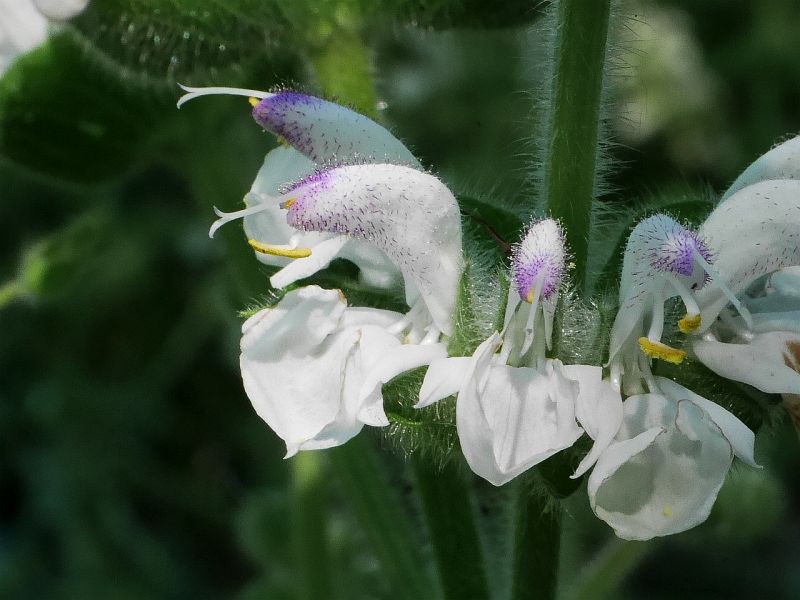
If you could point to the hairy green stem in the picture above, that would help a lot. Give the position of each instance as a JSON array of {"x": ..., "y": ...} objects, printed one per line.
[
  {"x": 381, "y": 514},
  {"x": 447, "y": 506},
  {"x": 537, "y": 539},
  {"x": 571, "y": 161},
  {"x": 309, "y": 530}
]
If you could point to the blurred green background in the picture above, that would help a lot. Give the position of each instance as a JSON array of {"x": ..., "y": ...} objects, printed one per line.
[{"x": 131, "y": 463}]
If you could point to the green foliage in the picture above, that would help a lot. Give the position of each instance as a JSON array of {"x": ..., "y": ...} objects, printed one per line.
[{"x": 64, "y": 114}]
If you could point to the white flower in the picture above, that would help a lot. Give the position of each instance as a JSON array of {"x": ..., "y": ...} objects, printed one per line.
[
  {"x": 662, "y": 473},
  {"x": 24, "y": 24},
  {"x": 662, "y": 259},
  {"x": 755, "y": 234},
  {"x": 317, "y": 134},
  {"x": 516, "y": 408},
  {"x": 313, "y": 368}
]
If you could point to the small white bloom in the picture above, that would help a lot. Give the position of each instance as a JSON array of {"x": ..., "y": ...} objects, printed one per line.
[
  {"x": 348, "y": 351},
  {"x": 516, "y": 408},
  {"x": 662, "y": 473},
  {"x": 24, "y": 24},
  {"x": 662, "y": 259}
]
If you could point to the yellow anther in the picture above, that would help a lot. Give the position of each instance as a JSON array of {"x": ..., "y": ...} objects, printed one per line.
[
  {"x": 689, "y": 323},
  {"x": 288, "y": 203},
  {"x": 667, "y": 510},
  {"x": 253, "y": 101},
  {"x": 283, "y": 141},
  {"x": 661, "y": 351},
  {"x": 279, "y": 250},
  {"x": 529, "y": 298}
]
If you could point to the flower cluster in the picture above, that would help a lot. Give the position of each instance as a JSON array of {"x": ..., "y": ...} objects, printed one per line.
[{"x": 342, "y": 186}]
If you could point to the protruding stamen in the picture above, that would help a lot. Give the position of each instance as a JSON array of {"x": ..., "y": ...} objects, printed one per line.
[
  {"x": 689, "y": 323},
  {"x": 285, "y": 251},
  {"x": 717, "y": 279},
  {"x": 661, "y": 351},
  {"x": 287, "y": 204},
  {"x": 253, "y": 101},
  {"x": 224, "y": 217},
  {"x": 196, "y": 92}
]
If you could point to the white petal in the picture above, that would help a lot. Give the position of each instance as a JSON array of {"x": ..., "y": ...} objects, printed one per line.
[
  {"x": 530, "y": 416},
  {"x": 297, "y": 325},
  {"x": 22, "y": 28},
  {"x": 321, "y": 256},
  {"x": 781, "y": 162},
  {"x": 443, "y": 378},
  {"x": 664, "y": 479},
  {"x": 598, "y": 410},
  {"x": 739, "y": 436},
  {"x": 59, "y": 10},
  {"x": 399, "y": 360},
  {"x": 298, "y": 407},
  {"x": 760, "y": 363},
  {"x": 753, "y": 233},
  {"x": 327, "y": 132},
  {"x": 409, "y": 215}
]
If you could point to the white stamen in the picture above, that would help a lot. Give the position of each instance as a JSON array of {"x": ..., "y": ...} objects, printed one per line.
[
  {"x": 657, "y": 318},
  {"x": 432, "y": 337},
  {"x": 196, "y": 92},
  {"x": 232, "y": 216},
  {"x": 717, "y": 279},
  {"x": 530, "y": 326},
  {"x": 686, "y": 297}
]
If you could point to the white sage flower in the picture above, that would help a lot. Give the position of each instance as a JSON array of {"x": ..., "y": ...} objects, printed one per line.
[
  {"x": 516, "y": 407},
  {"x": 662, "y": 259},
  {"x": 316, "y": 134},
  {"x": 313, "y": 368},
  {"x": 662, "y": 472},
  {"x": 756, "y": 236},
  {"x": 25, "y": 24}
]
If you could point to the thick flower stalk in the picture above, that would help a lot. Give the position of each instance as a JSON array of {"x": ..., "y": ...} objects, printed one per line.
[
  {"x": 350, "y": 352},
  {"x": 516, "y": 407}
]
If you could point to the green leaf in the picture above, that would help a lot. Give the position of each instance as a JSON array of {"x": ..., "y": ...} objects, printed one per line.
[{"x": 65, "y": 115}]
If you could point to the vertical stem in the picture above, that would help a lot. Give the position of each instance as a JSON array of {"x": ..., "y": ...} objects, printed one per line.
[
  {"x": 570, "y": 164},
  {"x": 381, "y": 514},
  {"x": 537, "y": 539},
  {"x": 309, "y": 530},
  {"x": 451, "y": 522}
]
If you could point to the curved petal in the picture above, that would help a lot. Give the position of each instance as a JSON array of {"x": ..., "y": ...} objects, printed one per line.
[
  {"x": 598, "y": 409},
  {"x": 444, "y": 378},
  {"x": 753, "y": 233},
  {"x": 295, "y": 406},
  {"x": 321, "y": 256},
  {"x": 764, "y": 363},
  {"x": 739, "y": 436},
  {"x": 409, "y": 215},
  {"x": 59, "y": 10},
  {"x": 781, "y": 162},
  {"x": 297, "y": 325},
  {"x": 664, "y": 479},
  {"x": 22, "y": 28},
  {"x": 393, "y": 363},
  {"x": 327, "y": 132}
]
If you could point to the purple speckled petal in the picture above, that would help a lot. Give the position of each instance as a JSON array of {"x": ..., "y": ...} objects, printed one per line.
[{"x": 328, "y": 133}]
